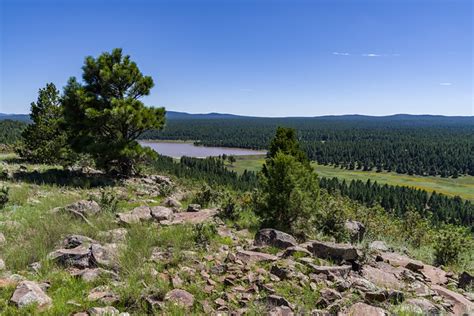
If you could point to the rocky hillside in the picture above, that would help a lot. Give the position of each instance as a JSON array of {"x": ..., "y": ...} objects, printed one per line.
[{"x": 166, "y": 256}]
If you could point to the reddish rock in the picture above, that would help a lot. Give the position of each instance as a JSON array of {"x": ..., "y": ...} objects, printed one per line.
[
  {"x": 254, "y": 256},
  {"x": 381, "y": 278},
  {"x": 434, "y": 275},
  {"x": 461, "y": 305},
  {"x": 180, "y": 297},
  {"x": 397, "y": 259},
  {"x": 362, "y": 309}
]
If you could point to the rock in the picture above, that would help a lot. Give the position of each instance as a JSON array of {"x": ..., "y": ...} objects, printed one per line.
[
  {"x": 127, "y": 218},
  {"x": 461, "y": 305},
  {"x": 396, "y": 259},
  {"x": 171, "y": 202},
  {"x": 355, "y": 229},
  {"x": 90, "y": 275},
  {"x": 363, "y": 285},
  {"x": 115, "y": 235},
  {"x": 161, "y": 213},
  {"x": 84, "y": 208},
  {"x": 274, "y": 238},
  {"x": 72, "y": 241},
  {"x": 254, "y": 256},
  {"x": 103, "y": 295},
  {"x": 378, "y": 296},
  {"x": 78, "y": 257},
  {"x": 381, "y": 278},
  {"x": 362, "y": 309},
  {"x": 191, "y": 217},
  {"x": 280, "y": 311},
  {"x": 104, "y": 255},
  {"x": 7, "y": 283},
  {"x": 333, "y": 251},
  {"x": 29, "y": 292},
  {"x": 330, "y": 295},
  {"x": 275, "y": 300},
  {"x": 103, "y": 311},
  {"x": 379, "y": 245},
  {"x": 340, "y": 271},
  {"x": 180, "y": 297},
  {"x": 466, "y": 281},
  {"x": 434, "y": 275},
  {"x": 2, "y": 264},
  {"x": 142, "y": 212},
  {"x": 422, "y": 306},
  {"x": 194, "y": 208}
]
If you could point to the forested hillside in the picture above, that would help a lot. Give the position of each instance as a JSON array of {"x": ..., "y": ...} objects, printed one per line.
[
  {"x": 10, "y": 131},
  {"x": 422, "y": 145}
]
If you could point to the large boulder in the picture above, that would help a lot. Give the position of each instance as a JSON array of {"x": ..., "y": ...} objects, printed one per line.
[
  {"x": 355, "y": 229},
  {"x": 29, "y": 292},
  {"x": 161, "y": 213},
  {"x": 274, "y": 238},
  {"x": 171, "y": 202},
  {"x": 332, "y": 251},
  {"x": 180, "y": 297},
  {"x": 104, "y": 255},
  {"x": 84, "y": 208}
]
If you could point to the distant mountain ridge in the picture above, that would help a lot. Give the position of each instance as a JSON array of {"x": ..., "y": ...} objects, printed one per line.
[{"x": 174, "y": 115}]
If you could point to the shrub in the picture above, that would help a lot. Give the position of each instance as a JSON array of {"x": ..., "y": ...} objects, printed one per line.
[
  {"x": 4, "y": 196},
  {"x": 450, "y": 242},
  {"x": 204, "y": 233},
  {"x": 206, "y": 196},
  {"x": 330, "y": 219},
  {"x": 108, "y": 201}
]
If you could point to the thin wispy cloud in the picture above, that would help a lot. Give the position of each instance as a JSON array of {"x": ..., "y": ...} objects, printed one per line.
[
  {"x": 341, "y": 54},
  {"x": 445, "y": 84},
  {"x": 371, "y": 55}
]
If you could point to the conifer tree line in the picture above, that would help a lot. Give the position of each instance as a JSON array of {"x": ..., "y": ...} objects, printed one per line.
[
  {"x": 398, "y": 200},
  {"x": 410, "y": 145},
  {"x": 10, "y": 131}
]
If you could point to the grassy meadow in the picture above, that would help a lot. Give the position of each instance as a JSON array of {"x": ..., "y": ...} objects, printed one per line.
[{"x": 462, "y": 186}]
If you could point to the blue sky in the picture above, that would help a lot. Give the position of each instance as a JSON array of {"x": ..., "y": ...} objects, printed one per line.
[{"x": 265, "y": 58}]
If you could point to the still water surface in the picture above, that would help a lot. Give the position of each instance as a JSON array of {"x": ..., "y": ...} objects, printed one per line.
[{"x": 179, "y": 149}]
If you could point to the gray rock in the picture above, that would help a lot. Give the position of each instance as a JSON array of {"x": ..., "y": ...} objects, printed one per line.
[
  {"x": 254, "y": 256},
  {"x": 104, "y": 311},
  {"x": 362, "y": 309},
  {"x": 105, "y": 255},
  {"x": 161, "y": 213},
  {"x": 274, "y": 238},
  {"x": 2, "y": 264},
  {"x": 355, "y": 229},
  {"x": 84, "y": 207},
  {"x": 332, "y": 251},
  {"x": 79, "y": 257},
  {"x": 379, "y": 245},
  {"x": 29, "y": 292},
  {"x": 171, "y": 202}
]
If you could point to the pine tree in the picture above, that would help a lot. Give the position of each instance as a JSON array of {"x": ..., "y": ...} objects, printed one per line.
[{"x": 105, "y": 114}]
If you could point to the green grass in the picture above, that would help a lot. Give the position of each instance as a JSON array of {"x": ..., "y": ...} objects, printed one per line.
[{"x": 462, "y": 186}]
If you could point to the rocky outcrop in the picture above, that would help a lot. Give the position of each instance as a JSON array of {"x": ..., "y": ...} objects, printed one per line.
[
  {"x": 460, "y": 304},
  {"x": 29, "y": 292},
  {"x": 254, "y": 256},
  {"x": 274, "y": 238},
  {"x": 332, "y": 251}
]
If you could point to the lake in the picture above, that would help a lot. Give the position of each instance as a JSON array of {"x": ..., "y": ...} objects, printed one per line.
[{"x": 179, "y": 149}]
